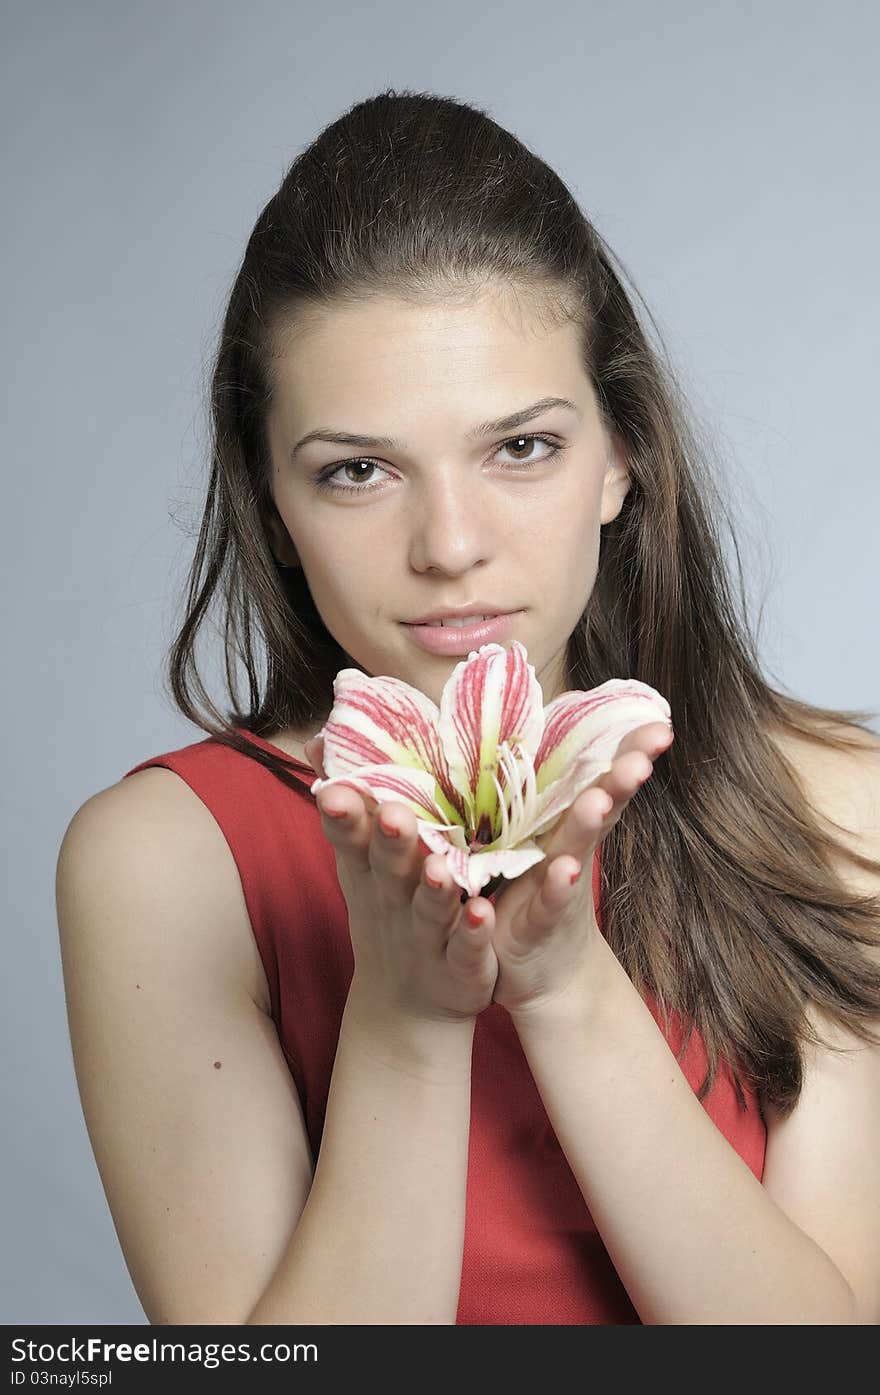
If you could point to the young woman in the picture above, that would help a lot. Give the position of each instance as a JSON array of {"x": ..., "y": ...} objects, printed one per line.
[{"x": 317, "y": 1092}]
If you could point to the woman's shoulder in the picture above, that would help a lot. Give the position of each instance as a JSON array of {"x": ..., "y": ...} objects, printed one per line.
[
  {"x": 861, "y": 742},
  {"x": 157, "y": 810},
  {"x": 841, "y": 783},
  {"x": 164, "y": 794},
  {"x": 152, "y": 829},
  {"x": 842, "y": 788}
]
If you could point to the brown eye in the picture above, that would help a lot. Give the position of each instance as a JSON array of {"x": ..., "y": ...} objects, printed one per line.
[
  {"x": 519, "y": 444},
  {"x": 357, "y": 465},
  {"x": 357, "y": 472},
  {"x": 521, "y": 441}
]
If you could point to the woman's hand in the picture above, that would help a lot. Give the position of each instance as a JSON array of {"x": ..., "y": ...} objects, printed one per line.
[
  {"x": 543, "y": 925},
  {"x": 416, "y": 955}
]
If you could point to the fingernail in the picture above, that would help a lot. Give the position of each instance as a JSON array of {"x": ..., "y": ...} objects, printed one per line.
[
  {"x": 609, "y": 805},
  {"x": 431, "y": 881},
  {"x": 336, "y": 813},
  {"x": 474, "y": 917},
  {"x": 574, "y": 876},
  {"x": 388, "y": 831}
]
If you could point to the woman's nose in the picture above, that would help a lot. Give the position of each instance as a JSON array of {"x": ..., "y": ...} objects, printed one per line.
[{"x": 449, "y": 526}]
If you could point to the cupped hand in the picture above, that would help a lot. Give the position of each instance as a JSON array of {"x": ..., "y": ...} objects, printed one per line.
[
  {"x": 416, "y": 953},
  {"x": 543, "y": 925}
]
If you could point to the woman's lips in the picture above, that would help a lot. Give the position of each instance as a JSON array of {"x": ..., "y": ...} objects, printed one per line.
[{"x": 454, "y": 639}]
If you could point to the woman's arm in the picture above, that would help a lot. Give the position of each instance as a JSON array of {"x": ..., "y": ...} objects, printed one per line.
[
  {"x": 693, "y": 1234},
  {"x": 381, "y": 1236},
  {"x": 194, "y": 1119}
]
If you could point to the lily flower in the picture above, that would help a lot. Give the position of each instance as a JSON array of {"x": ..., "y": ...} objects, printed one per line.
[{"x": 489, "y": 770}]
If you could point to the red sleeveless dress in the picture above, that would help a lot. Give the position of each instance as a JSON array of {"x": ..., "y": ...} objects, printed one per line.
[{"x": 532, "y": 1254}]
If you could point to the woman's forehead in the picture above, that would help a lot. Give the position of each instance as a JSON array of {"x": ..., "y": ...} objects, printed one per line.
[
  {"x": 512, "y": 312},
  {"x": 390, "y": 350}
]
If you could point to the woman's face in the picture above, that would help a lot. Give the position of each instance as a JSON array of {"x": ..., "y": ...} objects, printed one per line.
[{"x": 451, "y": 513}]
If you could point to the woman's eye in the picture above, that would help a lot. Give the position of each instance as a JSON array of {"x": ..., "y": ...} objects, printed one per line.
[
  {"x": 360, "y": 479},
  {"x": 354, "y": 479},
  {"x": 517, "y": 441}
]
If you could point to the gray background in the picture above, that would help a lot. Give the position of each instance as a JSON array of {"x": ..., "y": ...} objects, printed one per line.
[{"x": 728, "y": 152}]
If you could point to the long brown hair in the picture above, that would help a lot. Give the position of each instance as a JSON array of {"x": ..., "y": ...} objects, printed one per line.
[{"x": 719, "y": 894}]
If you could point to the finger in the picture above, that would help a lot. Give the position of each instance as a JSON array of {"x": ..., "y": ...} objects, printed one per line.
[
  {"x": 469, "y": 928},
  {"x": 652, "y": 737},
  {"x": 469, "y": 943},
  {"x": 314, "y": 754},
  {"x": 619, "y": 784},
  {"x": 394, "y": 849},
  {"x": 627, "y": 774},
  {"x": 347, "y": 824},
  {"x": 437, "y": 896},
  {"x": 591, "y": 815},
  {"x": 583, "y": 824},
  {"x": 557, "y": 889}
]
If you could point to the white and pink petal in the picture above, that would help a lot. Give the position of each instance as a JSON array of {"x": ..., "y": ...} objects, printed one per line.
[
  {"x": 509, "y": 863},
  {"x": 598, "y": 720},
  {"x": 472, "y": 871},
  {"x": 583, "y": 772},
  {"x": 417, "y": 789},
  {"x": 441, "y": 838},
  {"x": 379, "y": 721},
  {"x": 491, "y": 699}
]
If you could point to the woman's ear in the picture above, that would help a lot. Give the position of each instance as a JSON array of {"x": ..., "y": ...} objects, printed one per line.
[
  {"x": 616, "y": 483},
  {"x": 280, "y": 542}
]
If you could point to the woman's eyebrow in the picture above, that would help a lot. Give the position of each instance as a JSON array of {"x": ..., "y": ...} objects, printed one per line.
[{"x": 486, "y": 428}]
